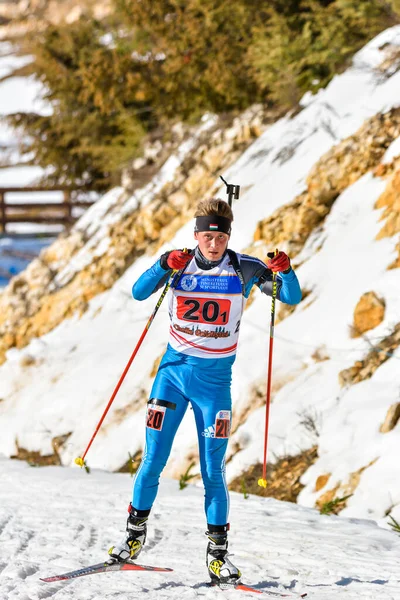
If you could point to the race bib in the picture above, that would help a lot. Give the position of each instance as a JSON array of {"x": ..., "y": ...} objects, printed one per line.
[
  {"x": 155, "y": 416},
  {"x": 223, "y": 424}
]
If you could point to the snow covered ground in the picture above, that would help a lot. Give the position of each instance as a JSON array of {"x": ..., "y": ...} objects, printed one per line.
[{"x": 55, "y": 519}]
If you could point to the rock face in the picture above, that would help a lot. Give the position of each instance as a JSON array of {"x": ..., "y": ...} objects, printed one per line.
[
  {"x": 368, "y": 314},
  {"x": 51, "y": 289},
  {"x": 321, "y": 482},
  {"x": 370, "y": 309},
  {"x": 290, "y": 226},
  {"x": 334, "y": 500},
  {"x": 333, "y": 173},
  {"x": 396, "y": 263},
  {"x": 390, "y": 202},
  {"x": 380, "y": 353},
  {"x": 392, "y": 418}
]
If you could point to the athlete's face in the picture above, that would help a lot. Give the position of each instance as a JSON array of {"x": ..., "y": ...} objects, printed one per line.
[{"x": 212, "y": 244}]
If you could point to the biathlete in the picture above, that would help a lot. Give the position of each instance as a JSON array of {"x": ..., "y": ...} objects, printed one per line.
[{"x": 206, "y": 303}]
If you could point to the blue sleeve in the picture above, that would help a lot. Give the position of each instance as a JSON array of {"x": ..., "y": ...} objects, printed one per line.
[
  {"x": 290, "y": 291},
  {"x": 256, "y": 272},
  {"x": 150, "y": 281}
]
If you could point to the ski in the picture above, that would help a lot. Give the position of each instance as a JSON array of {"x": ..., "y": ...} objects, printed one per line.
[
  {"x": 112, "y": 566},
  {"x": 104, "y": 567},
  {"x": 247, "y": 588}
]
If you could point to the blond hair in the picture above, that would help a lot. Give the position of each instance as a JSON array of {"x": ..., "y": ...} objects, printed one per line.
[{"x": 214, "y": 206}]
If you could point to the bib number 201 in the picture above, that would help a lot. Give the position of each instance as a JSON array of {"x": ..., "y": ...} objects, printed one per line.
[{"x": 199, "y": 310}]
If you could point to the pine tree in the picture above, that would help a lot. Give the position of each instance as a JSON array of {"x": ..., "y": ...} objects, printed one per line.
[
  {"x": 110, "y": 83},
  {"x": 302, "y": 50},
  {"x": 196, "y": 53},
  {"x": 93, "y": 90}
]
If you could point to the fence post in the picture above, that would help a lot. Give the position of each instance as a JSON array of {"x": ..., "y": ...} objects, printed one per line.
[
  {"x": 3, "y": 220},
  {"x": 68, "y": 206}
]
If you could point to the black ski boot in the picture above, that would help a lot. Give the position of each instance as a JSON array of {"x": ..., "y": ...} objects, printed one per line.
[
  {"x": 220, "y": 568},
  {"x": 136, "y": 529}
]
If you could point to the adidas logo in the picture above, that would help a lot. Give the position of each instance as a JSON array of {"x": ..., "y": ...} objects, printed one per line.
[{"x": 209, "y": 432}]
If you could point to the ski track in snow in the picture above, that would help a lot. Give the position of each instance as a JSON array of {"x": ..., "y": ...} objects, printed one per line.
[{"x": 54, "y": 520}]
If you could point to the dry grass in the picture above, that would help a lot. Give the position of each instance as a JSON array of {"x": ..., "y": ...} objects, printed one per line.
[
  {"x": 283, "y": 477},
  {"x": 132, "y": 464},
  {"x": 36, "y": 459}
]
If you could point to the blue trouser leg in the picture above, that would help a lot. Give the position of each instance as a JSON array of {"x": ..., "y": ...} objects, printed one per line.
[
  {"x": 206, "y": 384},
  {"x": 156, "y": 453},
  {"x": 212, "y": 460}
]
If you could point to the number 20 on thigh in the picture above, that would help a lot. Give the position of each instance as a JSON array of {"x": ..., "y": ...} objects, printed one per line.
[{"x": 155, "y": 419}]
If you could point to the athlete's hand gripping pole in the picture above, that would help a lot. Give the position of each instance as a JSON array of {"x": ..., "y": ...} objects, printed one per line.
[
  {"x": 263, "y": 481},
  {"x": 80, "y": 459}
]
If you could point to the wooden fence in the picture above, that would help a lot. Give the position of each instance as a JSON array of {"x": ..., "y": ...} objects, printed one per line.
[{"x": 60, "y": 213}]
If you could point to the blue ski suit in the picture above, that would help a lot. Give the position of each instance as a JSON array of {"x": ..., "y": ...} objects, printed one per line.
[{"x": 197, "y": 366}]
